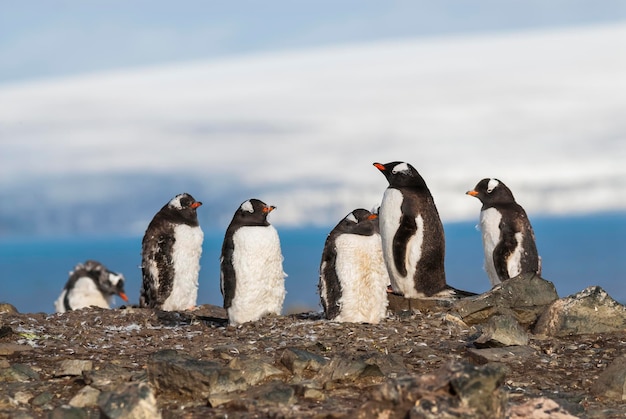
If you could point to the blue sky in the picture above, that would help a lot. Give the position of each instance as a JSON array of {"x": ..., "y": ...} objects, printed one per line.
[{"x": 41, "y": 38}]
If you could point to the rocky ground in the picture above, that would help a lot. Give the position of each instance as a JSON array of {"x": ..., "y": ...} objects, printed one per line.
[{"x": 288, "y": 366}]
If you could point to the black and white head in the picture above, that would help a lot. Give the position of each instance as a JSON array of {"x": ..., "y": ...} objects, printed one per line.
[
  {"x": 360, "y": 221},
  {"x": 182, "y": 209},
  {"x": 400, "y": 174},
  {"x": 492, "y": 191},
  {"x": 109, "y": 283},
  {"x": 253, "y": 212}
]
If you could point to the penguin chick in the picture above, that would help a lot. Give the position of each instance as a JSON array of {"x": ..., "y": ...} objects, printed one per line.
[
  {"x": 508, "y": 237},
  {"x": 170, "y": 252},
  {"x": 90, "y": 284},
  {"x": 353, "y": 277},
  {"x": 252, "y": 280}
]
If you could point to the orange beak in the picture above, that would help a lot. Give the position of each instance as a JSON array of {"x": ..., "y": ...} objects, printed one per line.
[
  {"x": 123, "y": 296},
  {"x": 379, "y": 166},
  {"x": 196, "y": 204},
  {"x": 471, "y": 193},
  {"x": 269, "y": 209},
  {"x": 372, "y": 217}
]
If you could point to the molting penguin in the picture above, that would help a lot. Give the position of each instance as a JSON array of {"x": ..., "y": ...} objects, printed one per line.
[
  {"x": 171, "y": 250},
  {"x": 252, "y": 280},
  {"x": 508, "y": 238},
  {"x": 353, "y": 277},
  {"x": 90, "y": 284},
  {"x": 412, "y": 234}
]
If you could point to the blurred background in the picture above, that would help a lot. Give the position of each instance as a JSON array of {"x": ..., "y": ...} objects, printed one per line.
[{"x": 110, "y": 108}]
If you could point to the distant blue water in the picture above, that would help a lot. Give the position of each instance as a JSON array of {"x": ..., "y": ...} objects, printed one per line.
[{"x": 577, "y": 252}]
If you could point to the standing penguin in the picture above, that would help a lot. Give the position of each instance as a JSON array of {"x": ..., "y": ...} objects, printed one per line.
[
  {"x": 90, "y": 284},
  {"x": 171, "y": 250},
  {"x": 353, "y": 277},
  {"x": 252, "y": 280},
  {"x": 508, "y": 238},
  {"x": 412, "y": 233}
]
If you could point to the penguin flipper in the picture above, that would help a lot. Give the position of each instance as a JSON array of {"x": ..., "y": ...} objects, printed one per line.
[
  {"x": 328, "y": 275},
  {"x": 156, "y": 290},
  {"x": 227, "y": 273},
  {"x": 503, "y": 250},
  {"x": 406, "y": 230}
]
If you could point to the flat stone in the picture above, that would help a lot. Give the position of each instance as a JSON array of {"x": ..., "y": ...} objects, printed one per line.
[
  {"x": 73, "y": 367},
  {"x": 68, "y": 412},
  {"x": 525, "y": 297},
  {"x": 18, "y": 372},
  {"x": 172, "y": 372},
  {"x": 254, "y": 370},
  {"x": 107, "y": 378},
  {"x": 502, "y": 330},
  {"x": 539, "y": 408},
  {"x": 590, "y": 311},
  {"x": 398, "y": 304},
  {"x": 506, "y": 354},
  {"x": 299, "y": 360}
]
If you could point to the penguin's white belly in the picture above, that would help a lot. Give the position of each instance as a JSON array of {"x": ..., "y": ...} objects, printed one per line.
[
  {"x": 187, "y": 250},
  {"x": 363, "y": 278},
  {"x": 85, "y": 293},
  {"x": 390, "y": 215},
  {"x": 514, "y": 263},
  {"x": 260, "y": 279},
  {"x": 490, "y": 228}
]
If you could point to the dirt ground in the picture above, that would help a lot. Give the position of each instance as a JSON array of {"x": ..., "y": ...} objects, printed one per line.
[{"x": 562, "y": 369}]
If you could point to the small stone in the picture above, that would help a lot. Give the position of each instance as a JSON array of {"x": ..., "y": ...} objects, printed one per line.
[
  {"x": 18, "y": 372},
  {"x": 86, "y": 397},
  {"x": 7, "y": 402},
  {"x": 107, "y": 378},
  {"x": 502, "y": 330},
  {"x": 23, "y": 397},
  {"x": 11, "y": 348},
  {"x": 132, "y": 401},
  {"x": 254, "y": 370},
  {"x": 298, "y": 360},
  {"x": 8, "y": 308},
  {"x": 275, "y": 392},
  {"x": 42, "y": 399},
  {"x": 73, "y": 367}
]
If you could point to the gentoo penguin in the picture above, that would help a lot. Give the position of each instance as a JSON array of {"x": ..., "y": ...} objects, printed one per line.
[
  {"x": 252, "y": 280},
  {"x": 411, "y": 232},
  {"x": 90, "y": 284},
  {"x": 508, "y": 238},
  {"x": 170, "y": 252},
  {"x": 353, "y": 277}
]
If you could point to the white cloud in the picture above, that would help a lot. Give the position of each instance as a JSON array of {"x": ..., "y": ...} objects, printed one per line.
[{"x": 542, "y": 111}]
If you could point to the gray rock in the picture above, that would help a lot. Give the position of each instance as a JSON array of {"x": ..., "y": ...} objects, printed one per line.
[
  {"x": 273, "y": 393},
  {"x": 108, "y": 377},
  {"x": 171, "y": 372},
  {"x": 73, "y": 367},
  {"x": 525, "y": 297},
  {"x": 590, "y": 311},
  {"x": 346, "y": 369},
  {"x": 611, "y": 384},
  {"x": 86, "y": 397},
  {"x": 454, "y": 391},
  {"x": 42, "y": 399},
  {"x": 297, "y": 361},
  {"x": 254, "y": 370},
  {"x": 502, "y": 330},
  {"x": 132, "y": 401}
]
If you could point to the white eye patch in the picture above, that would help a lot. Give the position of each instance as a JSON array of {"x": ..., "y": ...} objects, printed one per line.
[
  {"x": 115, "y": 278},
  {"x": 492, "y": 185},
  {"x": 402, "y": 167},
  {"x": 351, "y": 218},
  {"x": 175, "y": 202},
  {"x": 247, "y": 206}
]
